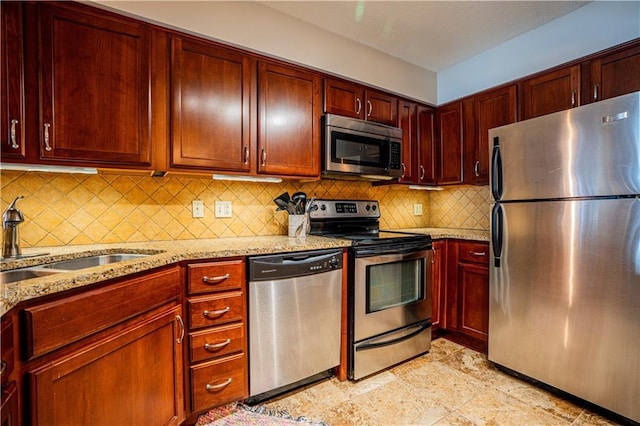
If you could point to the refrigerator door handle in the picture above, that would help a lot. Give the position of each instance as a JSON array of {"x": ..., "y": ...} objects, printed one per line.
[
  {"x": 496, "y": 233},
  {"x": 496, "y": 170}
]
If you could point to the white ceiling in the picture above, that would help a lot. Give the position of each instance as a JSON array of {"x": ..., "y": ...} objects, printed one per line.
[{"x": 431, "y": 34}]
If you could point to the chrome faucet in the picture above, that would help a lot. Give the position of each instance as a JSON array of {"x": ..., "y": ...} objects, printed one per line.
[{"x": 11, "y": 218}]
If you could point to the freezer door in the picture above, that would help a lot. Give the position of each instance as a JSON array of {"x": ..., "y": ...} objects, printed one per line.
[
  {"x": 565, "y": 300},
  {"x": 593, "y": 150}
]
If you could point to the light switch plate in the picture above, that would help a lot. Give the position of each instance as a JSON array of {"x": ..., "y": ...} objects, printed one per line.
[
  {"x": 223, "y": 209},
  {"x": 417, "y": 209},
  {"x": 197, "y": 208}
]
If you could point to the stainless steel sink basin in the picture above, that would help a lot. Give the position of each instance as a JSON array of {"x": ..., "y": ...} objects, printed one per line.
[
  {"x": 23, "y": 274},
  {"x": 65, "y": 266},
  {"x": 91, "y": 261}
]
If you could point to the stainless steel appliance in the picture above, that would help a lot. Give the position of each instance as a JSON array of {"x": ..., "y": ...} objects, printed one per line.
[
  {"x": 565, "y": 258},
  {"x": 389, "y": 286},
  {"x": 360, "y": 149},
  {"x": 295, "y": 306}
]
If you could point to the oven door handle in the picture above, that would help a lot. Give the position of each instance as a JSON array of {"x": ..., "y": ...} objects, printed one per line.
[{"x": 422, "y": 327}]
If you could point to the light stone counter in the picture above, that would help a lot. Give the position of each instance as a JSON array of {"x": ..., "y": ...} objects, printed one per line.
[
  {"x": 457, "y": 233},
  {"x": 161, "y": 253}
]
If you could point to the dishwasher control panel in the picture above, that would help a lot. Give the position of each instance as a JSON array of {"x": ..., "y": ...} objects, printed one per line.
[{"x": 290, "y": 265}]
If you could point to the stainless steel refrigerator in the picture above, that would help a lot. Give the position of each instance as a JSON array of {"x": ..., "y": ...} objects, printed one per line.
[{"x": 565, "y": 251}]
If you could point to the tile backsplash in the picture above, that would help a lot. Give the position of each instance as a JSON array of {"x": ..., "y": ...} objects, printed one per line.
[{"x": 63, "y": 209}]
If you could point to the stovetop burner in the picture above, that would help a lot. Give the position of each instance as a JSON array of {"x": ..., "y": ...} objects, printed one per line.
[{"x": 355, "y": 220}]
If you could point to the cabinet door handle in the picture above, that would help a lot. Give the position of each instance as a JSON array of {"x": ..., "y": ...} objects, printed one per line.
[
  {"x": 264, "y": 157},
  {"x": 477, "y": 253},
  {"x": 214, "y": 314},
  {"x": 358, "y": 106},
  {"x": 433, "y": 258},
  {"x": 404, "y": 170},
  {"x": 47, "y": 147},
  {"x": 14, "y": 143},
  {"x": 3, "y": 367},
  {"x": 211, "y": 347},
  {"x": 475, "y": 168},
  {"x": 179, "y": 319},
  {"x": 595, "y": 92},
  {"x": 219, "y": 386},
  {"x": 215, "y": 280},
  {"x": 370, "y": 108},
  {"x": 573, "y": 99},
  {"x": 246, "y": 154},
  {"x": 422, "y": 172}
]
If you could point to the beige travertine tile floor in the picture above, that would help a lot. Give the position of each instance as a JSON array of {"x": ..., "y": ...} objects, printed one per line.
[{"x": 451, "y": 385}]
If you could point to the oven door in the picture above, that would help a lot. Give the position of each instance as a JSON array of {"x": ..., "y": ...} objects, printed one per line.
[{"x": 391, "y": 291}]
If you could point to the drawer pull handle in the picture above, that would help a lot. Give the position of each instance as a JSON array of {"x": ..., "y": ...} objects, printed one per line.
[
  {"x": 210, "y": 314},
  {"x": 215, "y": 280},
  {"x": 219, "y": 386},
  {"x": 477, "y": 254},
  {"x": 179, "y": 319},
  {"x": 213, "y": 346}
]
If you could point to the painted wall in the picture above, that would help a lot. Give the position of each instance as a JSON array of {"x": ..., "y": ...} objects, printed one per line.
[
  {"x": 594, "y": 27},
  {"x": 253, "y": 26}
]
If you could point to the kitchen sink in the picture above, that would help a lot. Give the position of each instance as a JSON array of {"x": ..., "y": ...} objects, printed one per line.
[
  {"x": 91, "y": 261},
  {"x": 65, "y": 266},
  {"x": 23, "y": 274}
]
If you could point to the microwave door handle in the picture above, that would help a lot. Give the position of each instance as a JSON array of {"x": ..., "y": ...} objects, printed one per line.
[{"x": 386, "y": 153}]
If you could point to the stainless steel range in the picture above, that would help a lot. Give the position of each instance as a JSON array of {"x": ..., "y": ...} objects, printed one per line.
[{"x": 389, "y": 285}]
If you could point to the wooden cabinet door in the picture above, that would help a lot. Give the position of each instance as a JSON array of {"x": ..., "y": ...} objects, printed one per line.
[
  {"x": 616, "y": 74},
  {"x": 210, "y": 93},
  {"x": 450, "y": 144},
  {"x": 551, "y": 92},
  {"x": 491, "y": 109},
  {"x": 426, "y": 143},
  {"x": 288, "y": 121},
  {"x": 381, "y": 108},
  {"x": 12, "y": 82},
  {"x": 439, "y": 283},
  {"x": 95, "y": 87},
  {"x": 408, "y": 121},
  {"x": 134, "y": 378},
  {"x": 9, "y": 415},
  {"x": 343, "y": 98},
  {"x": 473, "y": 292}
]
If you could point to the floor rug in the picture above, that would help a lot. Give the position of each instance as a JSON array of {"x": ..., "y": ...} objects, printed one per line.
[{"x": 235, "y": 414}]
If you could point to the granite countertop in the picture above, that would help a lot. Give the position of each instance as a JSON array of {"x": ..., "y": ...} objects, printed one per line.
[{"x": 161, "y": 253}]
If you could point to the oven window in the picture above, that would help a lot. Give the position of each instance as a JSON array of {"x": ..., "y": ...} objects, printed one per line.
[{"x": 394, "y": 284}]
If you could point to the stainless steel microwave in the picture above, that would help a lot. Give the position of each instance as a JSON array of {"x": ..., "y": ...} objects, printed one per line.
[{"x": 355, "y": 148}]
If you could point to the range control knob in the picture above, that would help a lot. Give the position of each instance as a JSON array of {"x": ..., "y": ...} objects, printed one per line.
[
  {"x": 374, "y": 207},
  {"x": 368, "y": 207},
  {"x": 323, "y": 207}
]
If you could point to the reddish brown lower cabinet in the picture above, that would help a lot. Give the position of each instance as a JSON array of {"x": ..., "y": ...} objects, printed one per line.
[
  {"x": 133, "y": 377},
  {"x": 467, "y": 294},
  {"x": 9, "y": 410}
]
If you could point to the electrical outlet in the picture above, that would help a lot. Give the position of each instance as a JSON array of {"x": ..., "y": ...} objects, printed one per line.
[
  {"x": 223, "y": 209},
  {"x": 197, "y": 208},
  {"x": 417, "y": 209}
]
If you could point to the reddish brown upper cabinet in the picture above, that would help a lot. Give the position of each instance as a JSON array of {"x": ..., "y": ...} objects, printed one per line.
[
  {"x": 551, "y": 92},
  {"x": 288, "y": 120},
  {"x": 450, "y": 144},
  {"x": 615, "y": 74},
  {"x": 354, "y": 100},
  {"x": 12, "y": 110},
  {"x": 489, "y": 109},
  {"x": 407, "y": 121},
  {"x": 95, "y": 87},
  {"x": 426, "y": 144},
  {"x": 210, "y": 95}
]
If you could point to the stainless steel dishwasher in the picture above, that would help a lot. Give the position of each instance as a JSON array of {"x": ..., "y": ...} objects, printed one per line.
[{"x": 295, "y": 304}]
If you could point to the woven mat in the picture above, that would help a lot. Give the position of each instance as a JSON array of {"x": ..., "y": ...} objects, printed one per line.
[{"x": 239, "y": 414}]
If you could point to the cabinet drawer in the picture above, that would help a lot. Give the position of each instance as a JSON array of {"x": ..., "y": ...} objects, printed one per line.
[
  {"x": 51, "y": 325},
  {"x": 215, "y": 276},
  {"x": 6, "y": 347},
  {"x": 474, "y": 252},
  {"x": 218, "y": 382},
  {"x": 216, "y": 342},
  {"x": 216, "y": 309}
]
